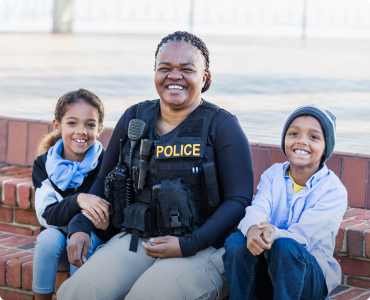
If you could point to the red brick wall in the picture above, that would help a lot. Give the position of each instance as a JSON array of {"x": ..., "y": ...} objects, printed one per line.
[
  {"x": 19, "y": 139},
  {"x": 351, "y": 168}
]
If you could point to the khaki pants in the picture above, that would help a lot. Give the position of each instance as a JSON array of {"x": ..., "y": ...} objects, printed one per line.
[{"x": 114, "y": 272}]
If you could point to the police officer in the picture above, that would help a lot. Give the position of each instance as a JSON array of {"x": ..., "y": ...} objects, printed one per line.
[{"x": 201, "y": 162}]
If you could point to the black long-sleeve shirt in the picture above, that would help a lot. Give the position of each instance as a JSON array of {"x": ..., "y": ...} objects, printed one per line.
[
  {"x": 53, "y": 206},
  {"x": 229, "y": 147}
]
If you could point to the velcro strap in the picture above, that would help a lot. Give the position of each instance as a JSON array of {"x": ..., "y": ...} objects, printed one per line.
[
  {"x": 134, "y": 240},
  {"x": 177, "y": 231}
]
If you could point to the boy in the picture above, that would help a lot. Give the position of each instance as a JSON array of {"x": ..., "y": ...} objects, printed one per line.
[{"x": 285, "y": 246}]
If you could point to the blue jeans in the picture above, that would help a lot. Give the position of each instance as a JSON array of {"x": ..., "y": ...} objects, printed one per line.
[
  {"x": 51, "y": 256},
  {"x": 287, "y": 271}
]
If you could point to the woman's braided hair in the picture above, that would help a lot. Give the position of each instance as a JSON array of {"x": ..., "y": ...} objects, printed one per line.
[
  {"x": 62, "y": 107},
  {"x": 191, "y": 39}
]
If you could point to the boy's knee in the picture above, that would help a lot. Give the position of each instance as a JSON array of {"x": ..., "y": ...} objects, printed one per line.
[
  {"x": 236, "y": 243},
  {"x": 285, "y": 246}
]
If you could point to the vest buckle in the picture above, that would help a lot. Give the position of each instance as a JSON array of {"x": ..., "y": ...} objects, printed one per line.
[{"x": 174, "y": 214}]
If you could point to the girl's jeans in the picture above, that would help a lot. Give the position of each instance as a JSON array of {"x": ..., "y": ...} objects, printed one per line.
[
  {"x": 51, "y": 256},
  {"x": 286, "y": 271}
]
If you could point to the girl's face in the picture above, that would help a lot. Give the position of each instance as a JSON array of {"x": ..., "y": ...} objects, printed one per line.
[
  {"x": 179, "y": 76},
  {"x": 79, "y": 128}
]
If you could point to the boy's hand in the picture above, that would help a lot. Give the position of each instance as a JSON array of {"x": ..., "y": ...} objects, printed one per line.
[
  {"x": 97, "y": 207},
  {"x": 99, "y": 225},
  {"x": 268, "y": 232},
  {"x": 255, "y": 242}
]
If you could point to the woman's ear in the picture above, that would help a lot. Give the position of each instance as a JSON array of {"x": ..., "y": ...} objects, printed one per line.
[
  {"x": 56, "y": 126},
  {"x": 205, "y": 76}
]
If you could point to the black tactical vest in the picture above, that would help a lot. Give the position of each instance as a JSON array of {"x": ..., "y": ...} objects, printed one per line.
[{"x": 181, "y": 189}]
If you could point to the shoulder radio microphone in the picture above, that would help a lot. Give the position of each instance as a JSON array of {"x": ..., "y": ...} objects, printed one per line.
[
  {"x": 145, "y": 147},
  {"x": 136, "y": 131}
]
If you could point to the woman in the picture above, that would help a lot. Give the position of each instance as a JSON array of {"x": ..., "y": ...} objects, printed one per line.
[{"x": 186, "y": 262}]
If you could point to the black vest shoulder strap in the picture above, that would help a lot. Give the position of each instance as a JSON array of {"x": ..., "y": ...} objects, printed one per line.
[{"x": 200, "y": 119}]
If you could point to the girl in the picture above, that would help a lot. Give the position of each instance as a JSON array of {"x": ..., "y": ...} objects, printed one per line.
[{"x": 68, "y": 165}]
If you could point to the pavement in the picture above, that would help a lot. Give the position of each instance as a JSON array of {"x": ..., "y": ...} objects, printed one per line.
[{"x": 260, "y": 80}]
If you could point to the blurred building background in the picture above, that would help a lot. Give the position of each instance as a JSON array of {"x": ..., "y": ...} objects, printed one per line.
[
  {"x": 313, "y": 18},
  {"x": 267, "y": 57}
]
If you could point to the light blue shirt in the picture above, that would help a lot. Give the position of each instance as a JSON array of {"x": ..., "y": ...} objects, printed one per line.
[{"x": 311, "y": 217}]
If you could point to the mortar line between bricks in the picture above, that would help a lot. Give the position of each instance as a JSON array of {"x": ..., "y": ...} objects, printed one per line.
[
  {"x": 8, "y": 167},
  {"x": 344, "y": 248},
  {"x": 357, "y": 277},
  {"x": 3, "y": 187},
  {"x": 363, "y": 243},
  {"x": 17, "y": 191},
  {"x": 345, "y": 280},
  {"x": 363, "y": 294},
  {"x": 345, "y": 291},
  {"x": 5, "y": 287},
  {"x": 33, "y": 227},
  {"x": 7, "y": 264},
  {"x": 357, "y": 258},
  {"x": 20, "y": 251}
]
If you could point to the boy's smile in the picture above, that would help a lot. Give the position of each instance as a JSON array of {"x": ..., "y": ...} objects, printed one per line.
[{"x": 305, "y": 145}]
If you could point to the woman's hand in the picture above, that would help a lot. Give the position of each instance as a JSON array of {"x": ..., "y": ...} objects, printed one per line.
[
  {"x": 168, "y": 246},
  {"x": 97, "y": 207},
  {"x": 78, "y": 248},
  {"x": 98, "y": 225}
]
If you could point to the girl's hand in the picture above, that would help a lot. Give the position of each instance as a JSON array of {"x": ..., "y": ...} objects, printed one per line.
[
  {"x": 98, "y": 225},
  {"x": 168, "y": 246},
  {"x": 97, "y": 207}
]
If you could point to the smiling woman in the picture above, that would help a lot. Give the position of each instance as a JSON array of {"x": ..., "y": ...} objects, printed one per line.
[{"x": 188, "y": 187}]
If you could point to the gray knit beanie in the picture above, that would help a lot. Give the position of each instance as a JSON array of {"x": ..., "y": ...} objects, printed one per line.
[{"x": 327, "y": 121}]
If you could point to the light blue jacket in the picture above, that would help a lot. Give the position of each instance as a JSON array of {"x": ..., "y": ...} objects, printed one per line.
[{"x": 311, "y": 217}]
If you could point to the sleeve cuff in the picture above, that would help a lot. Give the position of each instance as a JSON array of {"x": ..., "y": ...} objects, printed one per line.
[
  {"x": 73, "y": 205},
  {"x": 108, "y": 234},
  {"x": 278, "y": 233},
  {"x": 281, "y": 233},
  {"x": 80, "y": 223},
  {"x": 245, "y": 227},
  {"x": 184, "y": 251}
]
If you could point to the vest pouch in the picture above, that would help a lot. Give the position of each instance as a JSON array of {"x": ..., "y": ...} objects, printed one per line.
[
  {"x": 118, "y": 202},
  {"x": 177, "y": 206},
  {"x": 211, "y": 190},
  {"x": 139, "y": 216}
]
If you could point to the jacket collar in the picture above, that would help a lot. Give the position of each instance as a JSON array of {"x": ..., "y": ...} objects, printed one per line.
[{"x": 315, "y": 178}]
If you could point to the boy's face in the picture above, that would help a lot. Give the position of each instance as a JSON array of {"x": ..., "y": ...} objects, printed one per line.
[{"x": 305, "y": 143}]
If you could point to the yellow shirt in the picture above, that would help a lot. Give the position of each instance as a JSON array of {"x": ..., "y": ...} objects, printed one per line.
[{"x": 296, "y": 188}]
